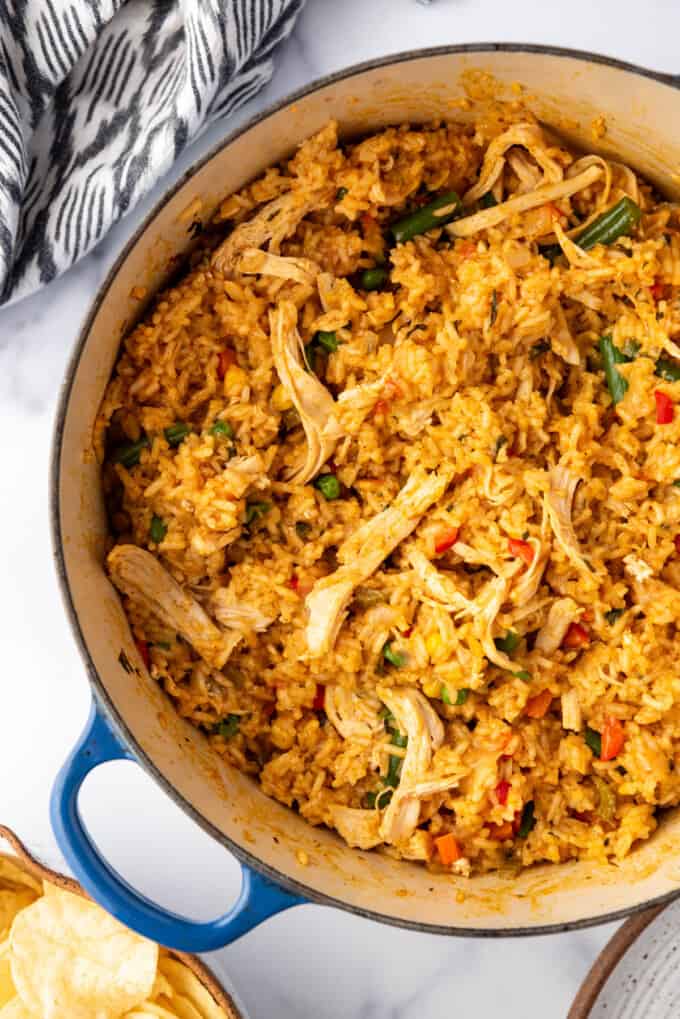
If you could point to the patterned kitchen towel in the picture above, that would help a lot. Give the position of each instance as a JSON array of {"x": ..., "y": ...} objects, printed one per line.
[{"x": 98, "y": 98}]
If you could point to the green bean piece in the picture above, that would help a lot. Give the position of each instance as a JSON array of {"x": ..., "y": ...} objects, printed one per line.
[
  {"x": 395, "y": 658},
  {"x": 594, "y": 741},
  {"x": 399, "y": 740},
  {"x": 442, "y": 210},
  {"x": 528, "y": 820},
  {"x": 612, "y": 224},
  {"x": 445, "y": 696},
  {"x": 223, "y": 429},
  {"x": 329, "y": 486},
  {"x": 606, "y": 806},
  {"x": 255, "y": 511},
  {"x": 176, "y": 433},
  {"x": 613, "y": 615},
  {"x": 128, "y": 456},
  {"x": 393, "y": 772},
  {"x": 523, "y": 674},
  {"x": 158, "y": 529},
  {"x": 373, "y": 279},
  {"x": 487, "y": 201},
  {"x": 668, "y": 369},
  {"x": 462, "y": 696},
  {"x": 611, "y": 356},
  {"x": 228, "y": 728},
  {"x": 509, "y": 643},
  {"x": 607, "y": 228},
  {"x": 328, "y": 340},
  {"x": 340, "y": 194}
]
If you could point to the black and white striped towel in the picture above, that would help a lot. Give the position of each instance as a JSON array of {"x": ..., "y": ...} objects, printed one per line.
[{"x": 98, "y": 98}]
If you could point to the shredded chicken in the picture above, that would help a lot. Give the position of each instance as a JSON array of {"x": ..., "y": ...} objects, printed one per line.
[
  {"x": 363, "y": 552},
  {"x": 231, "y": 613},
  {"x": 529, "y": 582},
  {"x": 525, "y": 136},
  {"x": 417, "y": 719},
  {"x": 354, "y": 405},
  {"x": 440, "y": 588},
  {"x": 572, "y": 717},
  {"x": 638, "y": 568},
  {"x": 253, "y": 261},
  {"x": 242, "y": 473},
  {"x": 271, "y": 224},
  {"x": 139, "y": 575},
  {"x": 489, "y": 604},
  {"x": 561, "y": 340},
  {"x": 562, "y": 614},
  {"x": 558, "y": 503},
  {"x": 487, "y": 218},
  {"x": 355, "y": 717},
  {"x": 311, "y": 399},
  {"x": 359, "y": 828}
]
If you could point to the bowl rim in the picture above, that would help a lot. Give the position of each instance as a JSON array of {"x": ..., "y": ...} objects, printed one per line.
[{"x": 100, "y": 694}]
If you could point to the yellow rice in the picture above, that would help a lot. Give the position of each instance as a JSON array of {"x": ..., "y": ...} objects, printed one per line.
[{"x": 472, "y": 339}]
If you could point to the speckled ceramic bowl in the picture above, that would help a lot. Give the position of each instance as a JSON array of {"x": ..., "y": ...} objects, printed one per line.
[{"x": 286, "y": 860}]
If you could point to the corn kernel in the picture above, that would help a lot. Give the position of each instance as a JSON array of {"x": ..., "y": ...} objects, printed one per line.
[
  {"x": 433, "y": 688},
  {"x": 302, "y": 858},
  {"x": 433, "y": 643},
  {"x": 280, "y": 399},
  {"x": 234, "y": 380}
]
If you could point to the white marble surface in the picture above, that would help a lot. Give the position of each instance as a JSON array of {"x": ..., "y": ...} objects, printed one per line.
[{"x": 310, "y": 961}]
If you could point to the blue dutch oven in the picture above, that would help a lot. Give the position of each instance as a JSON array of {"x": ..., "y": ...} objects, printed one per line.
[{"x": 285, "y": 860}]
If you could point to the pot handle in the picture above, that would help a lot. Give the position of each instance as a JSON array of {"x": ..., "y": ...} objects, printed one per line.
[{"x": 259, "y": 899}]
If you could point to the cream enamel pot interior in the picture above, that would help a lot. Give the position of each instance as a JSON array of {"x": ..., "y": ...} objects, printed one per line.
[{"x": 567, "y": 90}]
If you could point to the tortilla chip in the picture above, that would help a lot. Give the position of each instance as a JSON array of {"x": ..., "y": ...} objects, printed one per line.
[{"x": 71, "y": 960}]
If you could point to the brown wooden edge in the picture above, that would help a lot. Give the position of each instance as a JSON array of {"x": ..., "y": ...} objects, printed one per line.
[
  {"x": 198, "y": 968},
  {"x": 610, "y": 955}
]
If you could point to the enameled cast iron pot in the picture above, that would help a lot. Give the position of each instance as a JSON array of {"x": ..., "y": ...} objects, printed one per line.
[{"x": 131, "y": 718}]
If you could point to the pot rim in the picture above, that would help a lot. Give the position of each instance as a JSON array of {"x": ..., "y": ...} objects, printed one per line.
[{"x": 99, "y": 692}]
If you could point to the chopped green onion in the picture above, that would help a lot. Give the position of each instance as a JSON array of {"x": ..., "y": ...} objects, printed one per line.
[
  {"x": 176, "y": 433},
  {"x": 386, "y": 715},
  {"x": 222, "y": 428},
  {"x": 328, "y": 340},
  {"x": 523, "y": 674},
  {"x": 442, "y": 210},
  {"x": 399, "y": 740},
  {"x": 676, "y": 483},
  {"x": 494, "y": 307},
  {"x": 630, "y": 349},
  {"x": 487, "y": 201},
  {"x": 509, "y": 643},
  {"x": 606, "y": 796},
  {"x": 255, "y": 511},
  {"x": 229, "y": 726},
  {"x": 311, "y": 352},
  {"x": 393, "y": 771},
  {"x": 329, "y": 486},
  {"x": 373, "y": 279},
  {"x": 462, "y": 696},
  {"x": 594, "y": 741},
  {"x": 128, "y": 455},
  {"x": 611, "y": 356},
  {"x": 668, "y": 369},
  {"x": 528, "y": 820},
  {"x": 303, "y": 529},
  {"x": 158, "y": 529},
  {"x": 445, "y": 696},
  {"x": 340, "y": 194},
  {"x": 395, "y": 658},
  {"x": 613, "y": 615}
]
